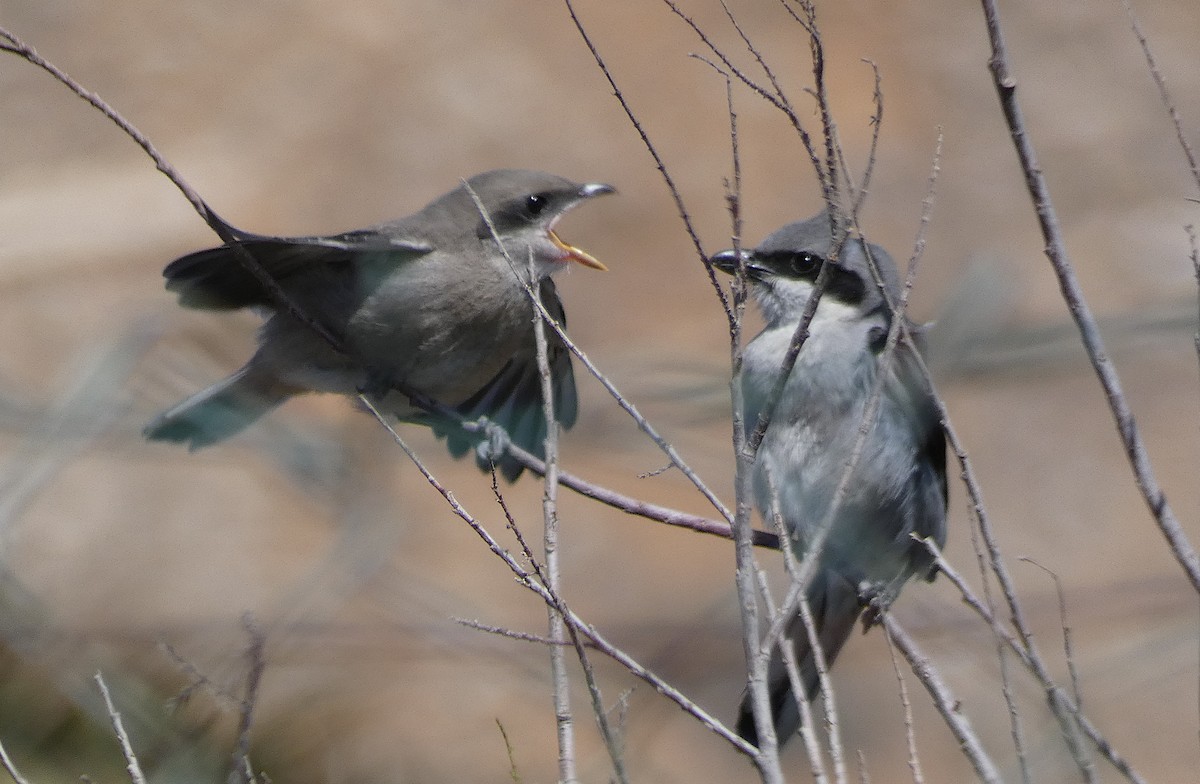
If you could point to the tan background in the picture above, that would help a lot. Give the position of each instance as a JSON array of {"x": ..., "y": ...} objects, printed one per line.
[{"x": 310, "y": 117}]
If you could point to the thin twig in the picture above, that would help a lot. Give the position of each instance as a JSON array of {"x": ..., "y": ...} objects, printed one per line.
[
  {"x": 513, "y": 772},
  {"x": 243, "y": 771},
  {"x": 196, "y": 681},
  {"x": 1135, "y": 448},
  {"x": 529, "y": 580},
  {"x": 863, "y": 776},
  {"x": 629, "y": 408},
  {"x": 751, "y": 48},
  {"x": 10, "y": 767},
  {"x": 1068, "y": 650},
  {"x": 131, "y": 761},
  {"x": 1016, "y": 724},
  {"x": 876, "y": 125},
  {"x": 821, "y": 664},
  {"x": 1161, "y": 84},
  {"x": 784, "y": 107},
  {"x": 910, "y": 730},
  {"x": 228, "y": 234},
  {"x": 799, "y": 338},
  {"x": 1060, "y": 702},
  {"x": 659, "y": 164},
  {"x": 943, "y": 700},
  {"x": 829, "y": 177},
  {"x": 766, "y": 757},
  {"x": 815, "y": 542},
  {"x": 1195, "y": 257},
  {"x": 511, "y": 634},
  {"x": 552, "y": 575},
  {"x": 787, "y": 648}
]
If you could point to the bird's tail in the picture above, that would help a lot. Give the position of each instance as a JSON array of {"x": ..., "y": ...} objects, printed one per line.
[
  {"x": 835, "y": 605},
  {"x": 220, "y": 411}
]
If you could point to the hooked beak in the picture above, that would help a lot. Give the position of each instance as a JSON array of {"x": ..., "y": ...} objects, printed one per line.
[
  {"x": 727, "y": 261},
  {"x": 570, "y": 252}
]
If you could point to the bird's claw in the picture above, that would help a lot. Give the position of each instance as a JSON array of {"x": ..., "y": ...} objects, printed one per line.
[{"x": 495, "y": 443}]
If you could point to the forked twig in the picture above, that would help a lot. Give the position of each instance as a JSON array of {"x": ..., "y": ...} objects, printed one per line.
[
  {"x": 529, "y": 580},
  {"x": 943, "y": 699},
  {"x": 1060, "y": 702}
]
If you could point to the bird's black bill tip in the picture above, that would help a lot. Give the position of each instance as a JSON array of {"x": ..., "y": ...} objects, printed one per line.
[{"x": 727, "y": 260}]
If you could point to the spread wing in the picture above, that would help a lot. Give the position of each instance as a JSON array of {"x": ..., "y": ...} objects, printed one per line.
[
  {"x": 216, "y": 278},
  {"x": 513, "y": 398}
]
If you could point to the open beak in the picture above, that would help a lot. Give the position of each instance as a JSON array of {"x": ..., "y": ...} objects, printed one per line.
[{"x": 570, "y": 252}]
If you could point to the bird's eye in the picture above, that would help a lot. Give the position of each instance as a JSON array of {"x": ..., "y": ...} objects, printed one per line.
[
  {"x": 535, "y": 203},
  {"x": 803, "y": 263}
]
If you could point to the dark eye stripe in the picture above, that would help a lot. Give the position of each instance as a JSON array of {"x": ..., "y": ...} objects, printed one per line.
[{"x": 844, "y": 284}]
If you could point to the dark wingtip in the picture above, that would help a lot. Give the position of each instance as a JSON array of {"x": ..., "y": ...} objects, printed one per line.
[{"x": 177, "y": 431}]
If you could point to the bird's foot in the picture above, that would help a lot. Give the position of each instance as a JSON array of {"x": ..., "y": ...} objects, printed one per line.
[
  {"x": 875, "y": 598},
  {"x": 494, "y": 444}
]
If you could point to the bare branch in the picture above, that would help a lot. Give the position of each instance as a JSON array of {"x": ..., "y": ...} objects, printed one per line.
[
  {"x": 782, "y": 105},
  {"x": 1015, "y": 722},
  {"x": 1060, "y": 703},
  {"x": 242, "y": 770},
  {"x": 529, "y": 580},
  {"x": 4, "y": 758},
  {"x": 943, "y": 699},
  {"x": 227, "y": 233},
  {"x": 832, "y": 727},
  {"x": 658, "y": 161},
  {"x": 1135, "y": 448},
  {"x": 787, "y": 648},
  {"x": 513, "y": 773},
  {"x": 1068, "y": 650},
  {"x": 1195, "y": 257},
  {"x": 910, "y": 734},
  {"x": 551, "y": 576},
  {"x": 1161, "y": 84},
  {"x": 511, "y": 634},
  {"x": 876, "y": 125},
  {"x": 131, "y": 761},
  {"x": 766, "y": 757}
]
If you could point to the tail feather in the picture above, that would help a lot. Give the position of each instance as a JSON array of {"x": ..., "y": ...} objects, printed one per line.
[
  {"x": 835, "y": 606},
  {"x": 220, "y": 411}
]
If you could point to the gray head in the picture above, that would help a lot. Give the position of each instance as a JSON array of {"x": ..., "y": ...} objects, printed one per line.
[
  {"x": 784, "y": 267},
  {"x": 523, "y": 207}
]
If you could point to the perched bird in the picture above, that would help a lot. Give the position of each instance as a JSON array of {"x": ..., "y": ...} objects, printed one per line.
[
  {"x": 898, "y": 487},
  {"x": 428, "y": 303}
]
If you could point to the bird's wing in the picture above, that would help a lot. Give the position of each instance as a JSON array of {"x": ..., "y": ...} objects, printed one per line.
[
  {"x": 915, "y": 397},
  {"x": 217, "y": 279},
  {"x": 513, "y": 398}
]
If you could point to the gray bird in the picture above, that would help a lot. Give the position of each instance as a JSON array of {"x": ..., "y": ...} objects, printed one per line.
[
  {"x": 899, "y": 485},
  {"x": 428, "y": 303}
]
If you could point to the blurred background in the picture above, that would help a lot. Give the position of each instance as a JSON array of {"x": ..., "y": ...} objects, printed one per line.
[{"x": 308, "y": 117}]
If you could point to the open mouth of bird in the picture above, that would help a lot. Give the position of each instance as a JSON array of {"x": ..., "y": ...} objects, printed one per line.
[{"x": 571, "y": 253}]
